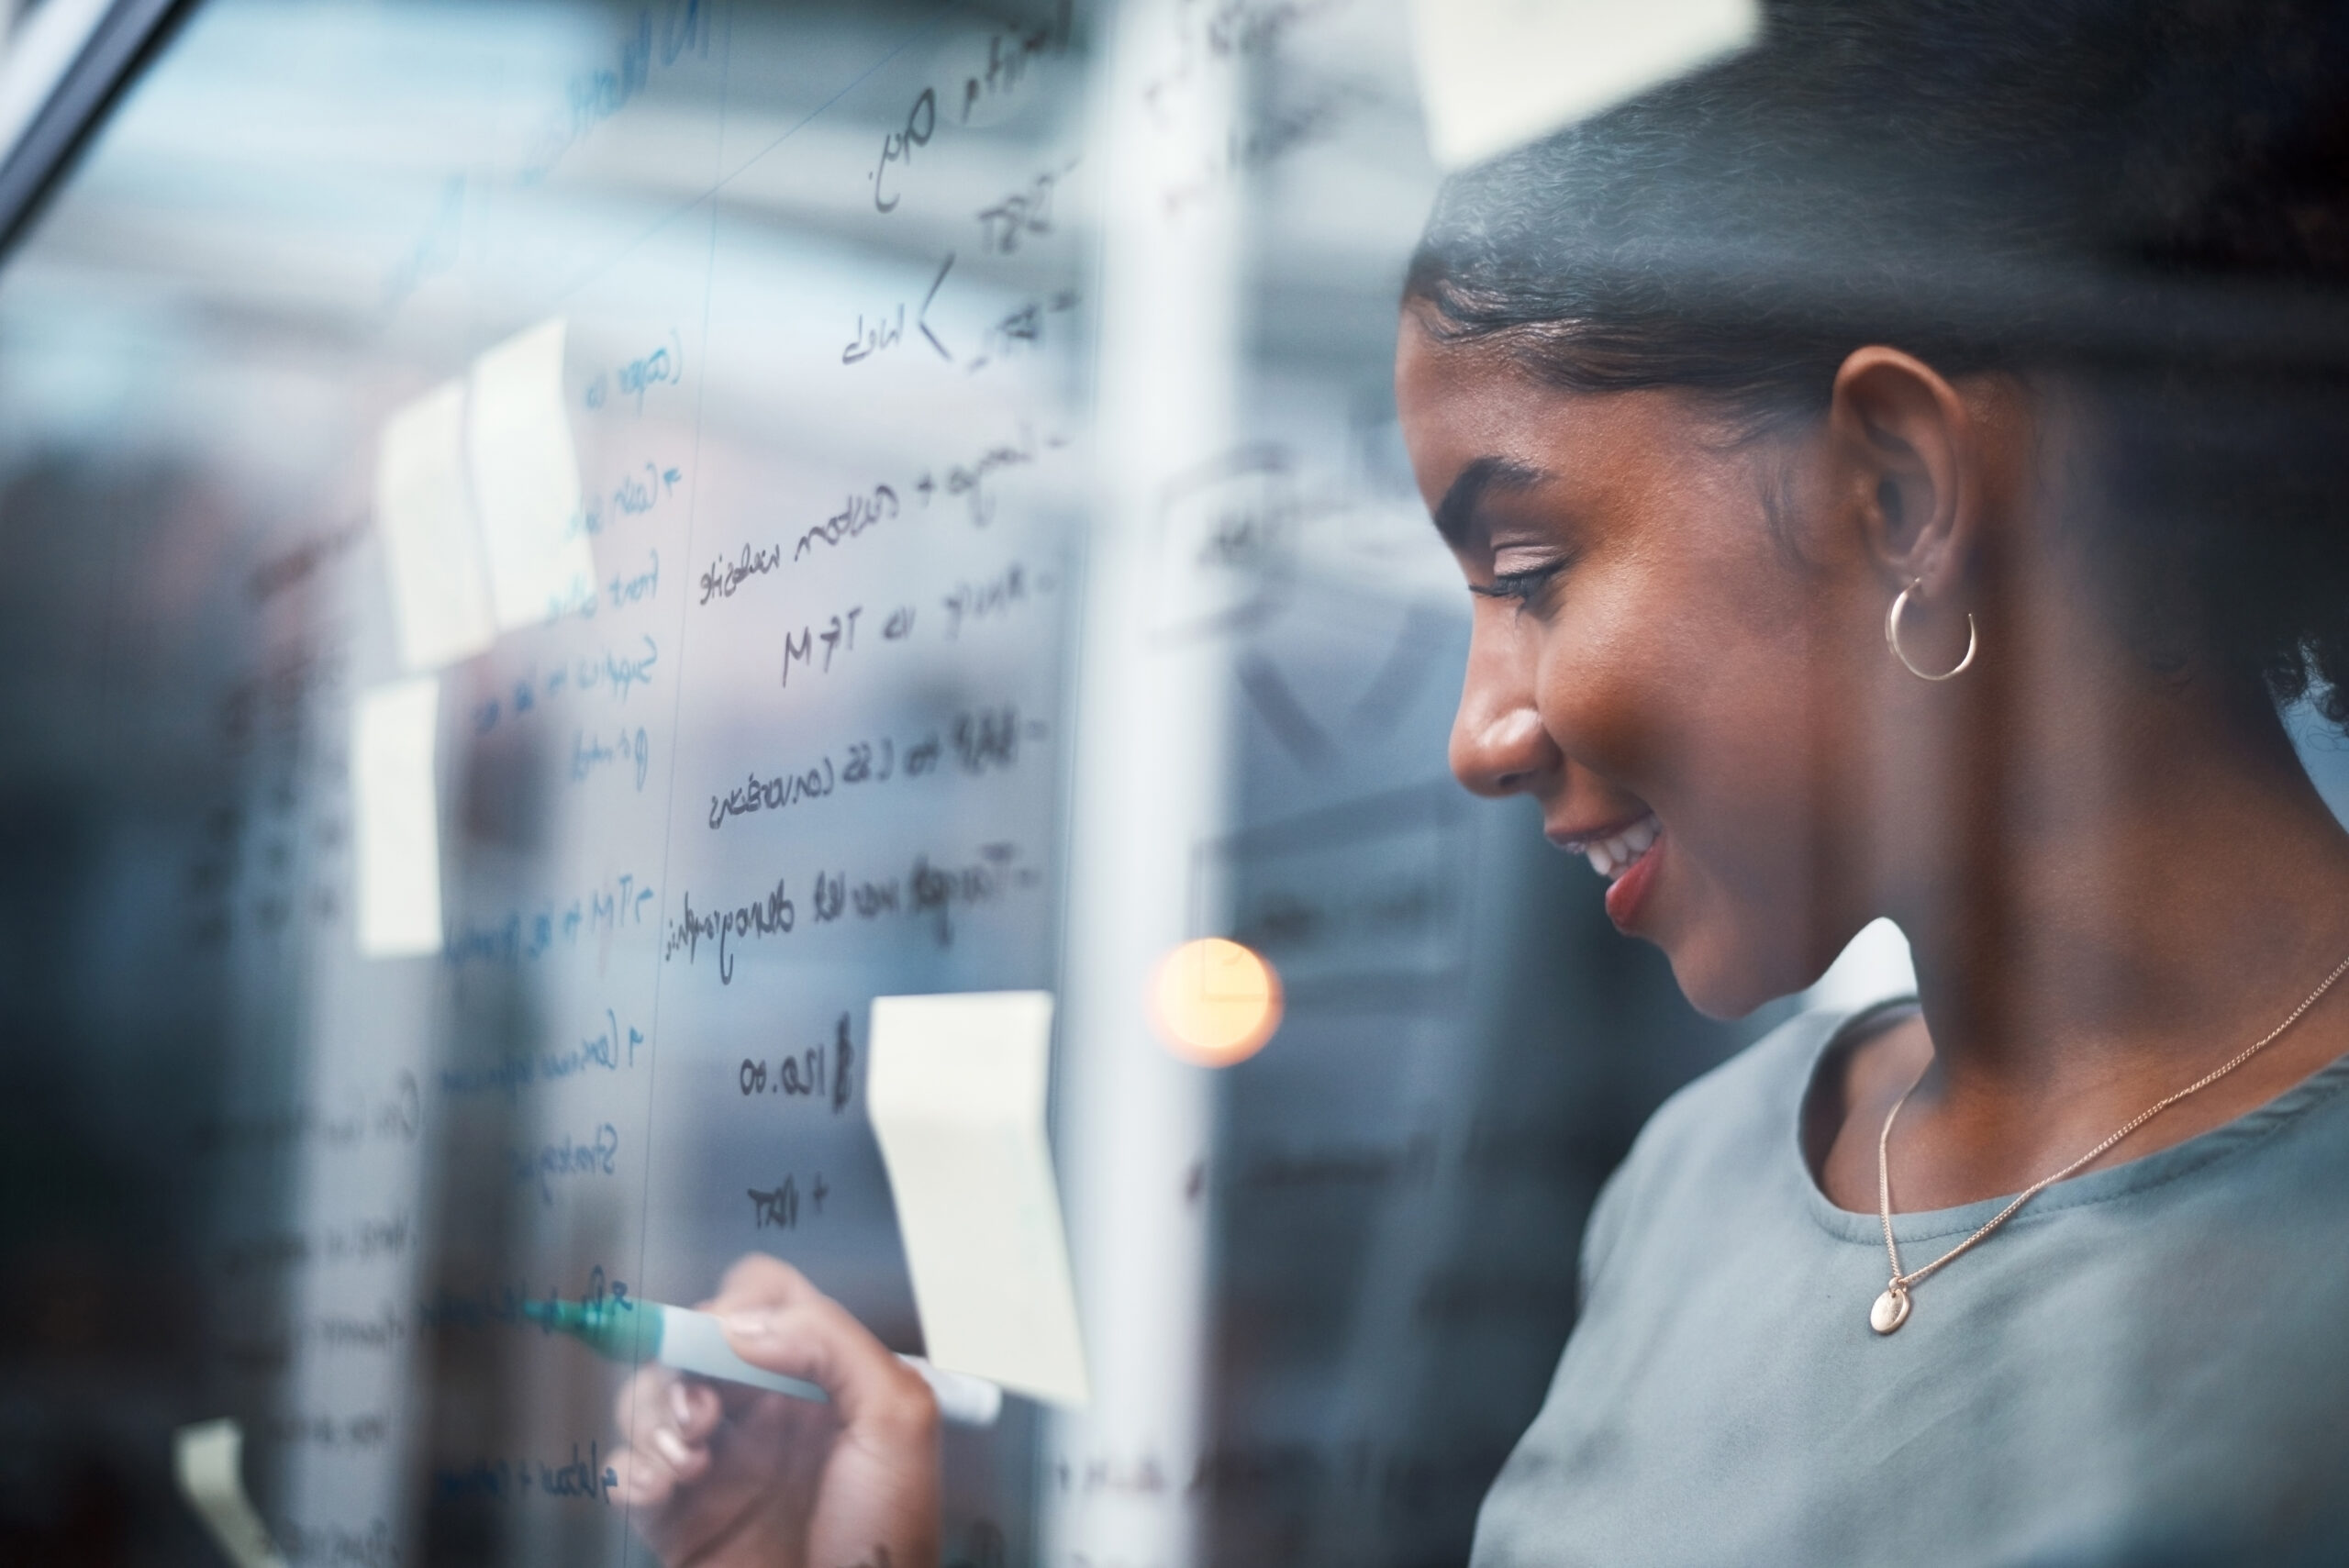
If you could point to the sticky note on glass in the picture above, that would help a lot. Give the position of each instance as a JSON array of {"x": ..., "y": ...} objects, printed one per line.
[
  {"x": 207, "y": 1460},
  {"x": 423, "y": 514},
  {"x": 1496, "y": 74},
  {"x": 955, "y": 1091},
  {"x": 397, "y": 838},
  {"x": 525, "y": 480}
]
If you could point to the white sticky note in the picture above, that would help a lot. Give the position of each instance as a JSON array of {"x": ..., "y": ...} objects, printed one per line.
[
  {"x": 207, "y": 1458},
  {"x": 396, "y": 840},
  {"x": 956, "y": 1095},
  {"x": 526, "y": 480},
  {"x": 424, "y": 513},
  {"x": 1496, "y": 74}
]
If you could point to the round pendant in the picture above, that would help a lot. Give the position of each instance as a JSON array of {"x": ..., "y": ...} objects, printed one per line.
[{"x": 1890, "y": 1311}]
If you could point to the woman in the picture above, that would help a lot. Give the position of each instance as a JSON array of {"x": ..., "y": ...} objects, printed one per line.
[{"x": 1899, "y": 474}]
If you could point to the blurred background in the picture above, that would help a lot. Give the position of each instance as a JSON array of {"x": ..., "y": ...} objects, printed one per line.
[{"x": 966, "y": 469}]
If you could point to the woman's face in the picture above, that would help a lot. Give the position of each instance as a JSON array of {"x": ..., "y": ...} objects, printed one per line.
[{"x": 1650, "y": 662}]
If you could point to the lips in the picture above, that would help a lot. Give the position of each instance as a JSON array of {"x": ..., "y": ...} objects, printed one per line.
[{"x": 1625, "y": 853}]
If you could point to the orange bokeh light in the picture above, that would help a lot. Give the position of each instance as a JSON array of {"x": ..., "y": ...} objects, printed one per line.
[{"x": 1215, "y": 1002}]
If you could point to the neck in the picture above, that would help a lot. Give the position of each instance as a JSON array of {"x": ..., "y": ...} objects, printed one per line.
[{"x": 2146, "y": 893}]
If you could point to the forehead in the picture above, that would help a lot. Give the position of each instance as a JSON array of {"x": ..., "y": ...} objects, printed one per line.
[
  {"x": 1473, "y": 393},
  {"x": 1470, "y": 405}
]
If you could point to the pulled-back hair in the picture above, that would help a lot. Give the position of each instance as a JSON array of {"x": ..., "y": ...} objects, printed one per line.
[{"x": 2151, "y": 196}]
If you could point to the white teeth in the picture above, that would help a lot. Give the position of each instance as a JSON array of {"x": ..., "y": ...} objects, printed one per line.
[{"x": 1610, "y": 858}]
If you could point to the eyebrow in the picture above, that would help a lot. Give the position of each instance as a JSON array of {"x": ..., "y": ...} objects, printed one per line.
[{"x": 1457, "y": 510}]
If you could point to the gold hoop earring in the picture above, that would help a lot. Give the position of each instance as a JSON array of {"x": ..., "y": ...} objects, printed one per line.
[{"x": 1892, "y": 638}]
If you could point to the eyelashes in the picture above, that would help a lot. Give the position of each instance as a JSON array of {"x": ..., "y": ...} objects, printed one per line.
[{"x": 1522, "y": 587}]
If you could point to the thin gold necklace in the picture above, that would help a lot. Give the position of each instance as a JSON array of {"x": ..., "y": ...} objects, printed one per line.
[{"x": 1891, "y": 1308}]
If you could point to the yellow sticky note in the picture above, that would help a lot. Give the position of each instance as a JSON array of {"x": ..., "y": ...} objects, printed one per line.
[
  {"x": 1496, "y": 74},
  {"x": 395, "y": 839},
  {"x": 526, "y": 480},
  {"x": 956, "y": 1095},
  {"x": 423, "y": 514}
]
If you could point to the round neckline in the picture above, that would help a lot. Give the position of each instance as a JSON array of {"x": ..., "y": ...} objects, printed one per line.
[{"x": 2112, "y": 1182}]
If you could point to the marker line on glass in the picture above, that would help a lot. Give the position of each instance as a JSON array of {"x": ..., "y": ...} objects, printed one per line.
[{"x": 687, "y": 1340}]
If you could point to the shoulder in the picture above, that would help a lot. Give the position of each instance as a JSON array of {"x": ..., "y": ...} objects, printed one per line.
[
  {"x": 1722, "y": 1132},
  {"x": 1755, "y": 1087},
  {"x": 1747, "y": 1103}
]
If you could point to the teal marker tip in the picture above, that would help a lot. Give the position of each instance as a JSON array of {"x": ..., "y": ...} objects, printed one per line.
[{"x": 628, "y": 1333}]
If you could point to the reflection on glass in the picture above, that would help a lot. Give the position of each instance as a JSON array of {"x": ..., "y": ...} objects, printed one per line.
[{"x": 553, "y": 554}]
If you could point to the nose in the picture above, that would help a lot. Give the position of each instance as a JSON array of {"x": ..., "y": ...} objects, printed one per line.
[{"x": 1498, "y": 745}]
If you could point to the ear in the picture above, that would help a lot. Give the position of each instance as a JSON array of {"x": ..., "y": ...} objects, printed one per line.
[{"x": 1906, "y": 448}]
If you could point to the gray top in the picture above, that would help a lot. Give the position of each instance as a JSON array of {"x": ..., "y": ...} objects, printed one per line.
[{"x": 2150, "y": 1364}]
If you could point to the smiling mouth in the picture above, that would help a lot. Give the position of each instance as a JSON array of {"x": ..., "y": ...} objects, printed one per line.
[{"x": 1617, "y": 854}]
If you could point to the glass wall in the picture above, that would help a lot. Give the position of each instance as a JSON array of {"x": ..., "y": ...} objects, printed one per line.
[{"x": 551, "y": 553}]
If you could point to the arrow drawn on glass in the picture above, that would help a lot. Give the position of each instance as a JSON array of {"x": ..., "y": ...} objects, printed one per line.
[{"x": 922, "y": 320}]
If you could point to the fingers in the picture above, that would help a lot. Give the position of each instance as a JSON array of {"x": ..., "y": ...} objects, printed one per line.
[
  {"x": 707, "y": 1461},
  {"x": 776, "y": 1319},
  {"x": 652, "y": 1474},
  {"x": 669, "y": 1422},
  {"x": 757, "y": 1280},
  {"x": 638, "y": 1405},
  {"x": 657, "y": 1397},
  {"x": 694, "y": 1409},
  {"x": 643, "y": 1482},
  {"x": 870, "y": 1388}
]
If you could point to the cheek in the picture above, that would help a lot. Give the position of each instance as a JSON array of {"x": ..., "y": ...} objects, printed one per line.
[
  {"x": 1747, "y": 903},
  {"x": 1757, "y": 824},
  {"x": 1733, "y": 738},
  {"x": 1701, "y": 702},
  {"x": 1703, "y": 665},
  {"x": 1623, "y": 687},
  {"x": 1602, "y": 708}
]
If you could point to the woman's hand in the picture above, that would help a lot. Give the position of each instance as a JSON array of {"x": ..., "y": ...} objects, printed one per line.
[{"x": 720, "y": 1475}]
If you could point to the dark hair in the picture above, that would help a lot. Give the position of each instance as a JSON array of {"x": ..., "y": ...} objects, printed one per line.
[{"x": 2151, "y": 195}]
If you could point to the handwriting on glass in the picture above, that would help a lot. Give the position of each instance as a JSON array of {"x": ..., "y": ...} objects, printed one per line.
[
  {"x": 1021, "y": 215},
  {"x": 664, "y": 366},
  {"x": 898, "y": 147},
  {"x": 616, "y": 673},
  {"x": 595, "y": 1154},
  {"x": 725, "y": 577},
  {"x": 863, "y": 512},
  {"x": 615, "y": 905},
  {"x": 589, "y": 752},
  {"x": 777, "y": 1207},
  {"x": 584, "y": 1479},
  {"x": 867, "y": 341},
  {"x": 631, "y": 497},
  {"x": 837, "y": 636},
  {"x": 983, "y": 739},
  {"x": 610, "y": 1050},
  {"x": 806, "y": 1074},
  {"x": 928, "y": 893}
]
